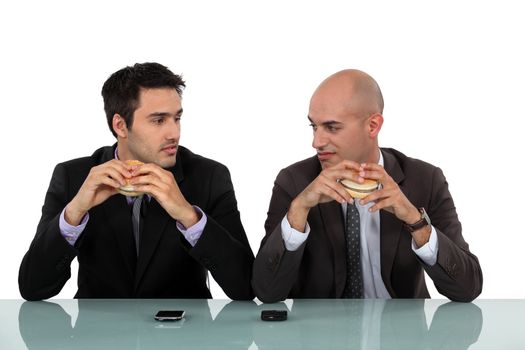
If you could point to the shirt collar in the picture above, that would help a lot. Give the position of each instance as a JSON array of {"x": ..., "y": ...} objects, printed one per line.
[{"x": 381, "y": 160}]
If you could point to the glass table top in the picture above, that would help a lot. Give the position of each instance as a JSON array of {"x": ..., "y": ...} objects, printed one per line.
[{"x": 223, "y": 324}]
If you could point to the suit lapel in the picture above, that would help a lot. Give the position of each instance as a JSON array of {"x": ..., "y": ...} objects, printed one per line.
[
  {"x": 154, "y": 226},
  {"x": 118, "y": 215},
  {"x": 155, "y": 221},
  {"x": 332, "y": 221},
  {"x": 390, "y": 226}
]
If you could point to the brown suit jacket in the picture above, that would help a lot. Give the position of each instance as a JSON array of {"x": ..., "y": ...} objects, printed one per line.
[{"x": 318, "y": 268}]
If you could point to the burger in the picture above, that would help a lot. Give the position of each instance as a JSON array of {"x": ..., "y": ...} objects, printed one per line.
[
  {"x": 128, "y": 189},
  {"x": 360, "y": 190}
]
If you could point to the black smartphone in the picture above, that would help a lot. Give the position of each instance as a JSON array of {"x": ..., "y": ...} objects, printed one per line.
[
  {"x": 169, "y": 315},
  {"x": 274, "y": 315}
]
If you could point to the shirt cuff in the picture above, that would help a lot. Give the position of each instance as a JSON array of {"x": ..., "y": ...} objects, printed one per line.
[
  {"x": 70, "y": 232},
  {"x": 193, "y": 233},
  {"x": 429, "y": 251},
  {"x": 292, "y": 238}
]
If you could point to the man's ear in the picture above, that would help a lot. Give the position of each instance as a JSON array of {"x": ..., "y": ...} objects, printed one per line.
[
  {"x": 375, "y": 122},
  {"x": 119, "y": 126}
]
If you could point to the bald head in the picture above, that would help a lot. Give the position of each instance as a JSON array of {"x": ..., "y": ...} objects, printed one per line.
[
  {"x": 346, "y": 116},
  {"x": 349, "y": 90}
]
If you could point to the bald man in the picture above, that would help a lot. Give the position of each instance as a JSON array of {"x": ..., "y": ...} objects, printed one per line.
[{"x": 407, "y": 227}]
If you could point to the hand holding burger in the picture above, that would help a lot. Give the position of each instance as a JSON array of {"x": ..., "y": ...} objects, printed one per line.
[{"x": 128, "y": 189}]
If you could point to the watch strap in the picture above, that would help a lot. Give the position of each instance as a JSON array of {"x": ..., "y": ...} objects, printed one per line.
[{"x": 418, "y": 224}]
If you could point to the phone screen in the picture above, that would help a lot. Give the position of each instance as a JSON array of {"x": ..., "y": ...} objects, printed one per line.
[{"x": 169, "y": 315}]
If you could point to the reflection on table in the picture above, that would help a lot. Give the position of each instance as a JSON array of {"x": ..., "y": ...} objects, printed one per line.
[{"x": 311, "y": 324}]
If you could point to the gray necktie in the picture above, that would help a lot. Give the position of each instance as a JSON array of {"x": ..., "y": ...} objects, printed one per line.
[
  {"x": 354, "y": 278},
  {"x": 135, "y": 220}
]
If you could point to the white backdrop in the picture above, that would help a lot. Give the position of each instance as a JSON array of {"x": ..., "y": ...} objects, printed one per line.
[{"x": 451, "y": 72}]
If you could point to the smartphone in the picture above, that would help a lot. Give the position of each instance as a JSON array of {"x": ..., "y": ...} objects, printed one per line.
[
  {"x": 274, "y": 315},
  {"x": 169, "y": 315}
]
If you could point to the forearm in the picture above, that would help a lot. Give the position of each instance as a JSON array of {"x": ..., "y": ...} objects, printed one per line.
[
  {"x": 45, "y": 267},
  {"x": 228, "y": 259},
  {"x": 73, "y": 214},
  {"x": 297, "y": 215},
  {"x": 193, "y": 233},
  {"x": 275, "y": 268},
  {"x": 457, "y": 273}
]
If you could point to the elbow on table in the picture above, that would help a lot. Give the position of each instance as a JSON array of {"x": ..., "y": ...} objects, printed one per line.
[{"x": 266, "y": 294}]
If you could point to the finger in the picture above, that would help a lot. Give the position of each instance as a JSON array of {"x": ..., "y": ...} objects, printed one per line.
[
  {"x": 146, "y": 179},
  {"x": 162, "y": 193},
  {"x": 339, "y": 196},
  {"x": 385, "y": 204},
  {"x": 371, "y": 166},
  {"x": 148, "y": 189},
  {"x": 97, "y": 177},
  {"x": 154, "y": 172},
  {"x": 337, "y": 174},
  {"x": 376, "y": 196},
  {"x": 108, "y": 181},
  {"x": 127, "y": 170},
  {"x": 115, "y": 167},
  {"x": 116, "y": 173},
  {"x": 350, "y": 165},
  {"x": 379, "y": 176},
  {"x": 154, "y": 186},
  {"x": 342, "y": 193},
  {"x": 122, "y": 167},
  {"x": 150, "y": 168}
]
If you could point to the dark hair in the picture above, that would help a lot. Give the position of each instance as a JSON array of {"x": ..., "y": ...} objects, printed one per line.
[{"x": 121, "y": 91}]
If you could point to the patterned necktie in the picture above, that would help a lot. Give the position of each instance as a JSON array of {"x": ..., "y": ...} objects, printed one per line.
[
  {"x": 135, "y": 220},
  {"x": 354, "y": 278}
]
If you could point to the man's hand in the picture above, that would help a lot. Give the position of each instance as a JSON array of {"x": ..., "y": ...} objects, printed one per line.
[
  {"x": 101, "y": 183},
  {"x": 324, "y": 188},
  {"x": 392, "y": 199},
  {"x": 161, "y": 185}
]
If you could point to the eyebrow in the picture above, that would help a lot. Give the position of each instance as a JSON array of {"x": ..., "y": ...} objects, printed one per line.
[
  {"x": 165, "y": 114},
  {"x": 326, "y": 123}
]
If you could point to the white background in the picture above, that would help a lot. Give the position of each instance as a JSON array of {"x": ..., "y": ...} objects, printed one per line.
[{"x": 452, "y": 75}]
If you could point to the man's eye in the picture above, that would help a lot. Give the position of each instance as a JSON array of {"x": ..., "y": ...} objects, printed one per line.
[
  {"x": 158, "y": 121},
  {"x": 313, "y": 126}
]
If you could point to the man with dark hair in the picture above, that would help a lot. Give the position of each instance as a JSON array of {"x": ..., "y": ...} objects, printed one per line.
[
  {"x": 156, "y": 245},
  {"x": 322, "y": 243}
]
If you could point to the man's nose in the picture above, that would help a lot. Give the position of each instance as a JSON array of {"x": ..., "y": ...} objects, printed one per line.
[
  {"x": 173, "y": 129},
  {"x": 320, "y": 140}
]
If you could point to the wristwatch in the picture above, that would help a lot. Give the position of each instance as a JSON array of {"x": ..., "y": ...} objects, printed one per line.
[{"x": 424, "y": 221}]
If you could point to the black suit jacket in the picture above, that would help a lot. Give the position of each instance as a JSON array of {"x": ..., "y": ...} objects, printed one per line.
[
  {"x": 318, "y": 268},
  {"x": 167, "y": 266}
]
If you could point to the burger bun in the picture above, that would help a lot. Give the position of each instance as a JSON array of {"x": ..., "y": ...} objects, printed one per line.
[{"x": 360, "y": 190}]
